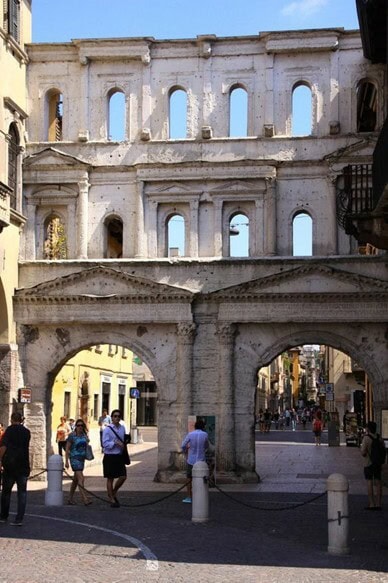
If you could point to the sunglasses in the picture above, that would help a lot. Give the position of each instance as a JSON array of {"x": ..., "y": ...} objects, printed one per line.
[
  {"x": 80, "y": 425},
  {"x": 116, "y": 415}
]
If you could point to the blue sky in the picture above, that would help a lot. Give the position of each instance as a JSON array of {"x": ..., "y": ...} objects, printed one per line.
[{"x": 55, "y": 21}]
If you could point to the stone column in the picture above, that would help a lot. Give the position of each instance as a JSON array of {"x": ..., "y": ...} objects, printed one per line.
[
  {"x": 138, "y": 225},
  {"x": 83, "y": 201},
  {"x": 29, "y": 232},
  {"x": 218, "y": 239},
  {"x": 225, "y": 426},
  {"x": 270, "y": 222},
  {"x": 193, "y": 241},
  {"x": 331, "y": 217},
  {"x": 155, "y": 247},
  {"x": 184, "y": 376},
  {"x": 184, "y": 368},
  {"x": 258, "y": 250}
]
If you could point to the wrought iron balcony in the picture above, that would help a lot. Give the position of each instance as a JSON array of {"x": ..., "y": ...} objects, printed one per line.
[{"x": 354, "y": 195}]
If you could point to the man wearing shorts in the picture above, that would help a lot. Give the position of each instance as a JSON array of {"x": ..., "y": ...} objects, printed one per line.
[
  {"x": 372, "y": 472},
  {"x": 194, "y": 446},
  {"x": 113, "y": 442}
]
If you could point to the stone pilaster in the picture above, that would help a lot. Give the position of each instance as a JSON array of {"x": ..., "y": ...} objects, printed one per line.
[
  {"x": 139, "y": 244},
  {"x": 225, "y": 418},
  {"x": 83, "y": 219},
  {"x": 270, "y": 222},
  {"x": 193, "y": 246},
  {"x": 218, "y": 228}
]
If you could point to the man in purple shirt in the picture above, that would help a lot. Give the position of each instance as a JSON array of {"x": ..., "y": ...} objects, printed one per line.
[{"x": 194, "y": 446}]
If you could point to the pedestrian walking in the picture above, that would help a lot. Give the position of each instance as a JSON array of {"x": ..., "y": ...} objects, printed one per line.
[
  {"x": 293, "y": 419},
  {"x": 103, "y": 421},
  {"x": 194, "y": 446},
  {"x": 317, "y": 427},
  {"x": 374, "y": 453},
  {"x": 63, "y": 431},
  {"x": 113, "y": 443},
  {"x": 267, "y": 420},
  {"x": 76, "y": 453},
  {"x": 15, "y": 462}
]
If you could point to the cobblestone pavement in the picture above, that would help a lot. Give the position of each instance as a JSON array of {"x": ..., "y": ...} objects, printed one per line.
[{"x": 248, "y": 538}]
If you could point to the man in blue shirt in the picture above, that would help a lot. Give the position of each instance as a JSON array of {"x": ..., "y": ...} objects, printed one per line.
[{"x": 194, "y": 446}]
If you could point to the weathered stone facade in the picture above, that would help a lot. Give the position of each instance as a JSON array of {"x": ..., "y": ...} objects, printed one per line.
[{"x": 206, "y": 322}]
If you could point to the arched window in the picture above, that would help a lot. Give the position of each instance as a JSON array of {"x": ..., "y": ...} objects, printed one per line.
[
  {"x": 13, "y": 153},
  {"x": 366, "y": 106},
  {"x": 301, "y": 110},
  {"x": 302, "y": 235},
  {"x": 55, "y": 241},
  {"x": 177, "y": 114},
  {"x": 114, "y": 237},
  {"x": 238, "y": 113},
  {"x": 116, "y": 116},
  {"x": 239, "y": 236},
  {"x": 175, "y": 236},
  {"x": 55, "y": 116}
]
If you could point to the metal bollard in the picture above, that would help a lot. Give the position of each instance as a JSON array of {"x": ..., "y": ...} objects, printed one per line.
[
  {"x": 54, "y": 493},
  {"x": 200, "y": 504},
  {"x": 338, "y": 514}
]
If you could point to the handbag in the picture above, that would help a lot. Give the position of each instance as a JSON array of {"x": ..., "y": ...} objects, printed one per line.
[
  {"x": 89, "y": 453},
  {"x": 125, "y": 454}
]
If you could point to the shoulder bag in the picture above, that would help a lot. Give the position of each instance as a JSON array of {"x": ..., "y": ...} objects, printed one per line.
[{"x": 125, "y": 454}]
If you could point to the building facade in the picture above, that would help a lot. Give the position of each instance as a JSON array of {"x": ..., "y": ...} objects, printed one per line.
[
  {"x": 92, "y": 380},
  {"x": 95, "y": 262},
  {"x": 15, "y": 33}
]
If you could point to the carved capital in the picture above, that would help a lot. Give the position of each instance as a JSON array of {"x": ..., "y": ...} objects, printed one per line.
[
  {"x": 226, "y": 333},
  {"x": 186, "y": 331},
  {"x": 83, "y": 185}
]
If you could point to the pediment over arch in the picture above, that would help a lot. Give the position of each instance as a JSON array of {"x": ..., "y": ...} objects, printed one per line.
[
  {"x": 311, "y": 280},
  {"x": 52, "y": 157},
  {"x": 103, "y": 283}
]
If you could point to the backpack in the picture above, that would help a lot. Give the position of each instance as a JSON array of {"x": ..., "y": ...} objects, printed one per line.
[{"x": 377, "y": 452}]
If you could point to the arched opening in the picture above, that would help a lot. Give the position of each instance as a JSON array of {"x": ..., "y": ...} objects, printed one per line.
[
  {"x": 54, "y": 103},
  {"x": 238, "y": 112},
  {"x": 239, "y": 236},
  {"x": 301, "y": 110},
  {"x": 104, "y": 377},
  {"x": 366, "y": 106},
  {"x": 177, "y": 114},
  {"x": 176, "y": 236},
  {"x": 55, "y": 239},
  {"x": 116, "y": 116},
  {"x": 114, "y": 238},
  {"x": 301, "y": 384},
  {"x": 302, "y": 235},
  {"x": 13, "y": 155}
]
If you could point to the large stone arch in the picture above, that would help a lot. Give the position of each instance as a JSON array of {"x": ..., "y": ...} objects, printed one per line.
[
  {"x": 257, "y": 345},
  {"x": 204, "y": 348}
]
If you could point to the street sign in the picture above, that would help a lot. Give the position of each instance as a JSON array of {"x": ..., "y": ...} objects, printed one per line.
[
  {"x": 24, "y": 395},
  {"x": 329, "y": 392}
]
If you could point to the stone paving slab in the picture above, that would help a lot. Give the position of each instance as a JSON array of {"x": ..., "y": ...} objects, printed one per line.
[{"x": 247, "y": 537}]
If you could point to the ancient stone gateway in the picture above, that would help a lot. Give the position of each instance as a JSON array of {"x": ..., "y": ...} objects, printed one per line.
[{"x": 203, "y": 340}]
